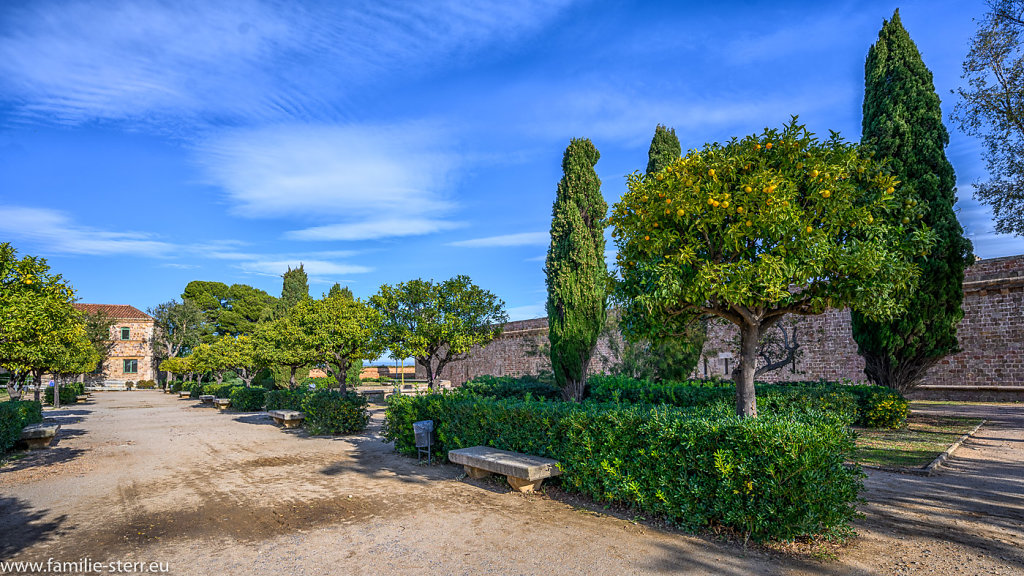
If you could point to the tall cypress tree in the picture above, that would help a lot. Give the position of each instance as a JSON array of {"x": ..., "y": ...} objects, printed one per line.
[
  {"x": 903, "y": 124},
  {"x": 665, "y": 149},
  {"x": 295, "y": 287},
  {"x": 577, "y": 277}
]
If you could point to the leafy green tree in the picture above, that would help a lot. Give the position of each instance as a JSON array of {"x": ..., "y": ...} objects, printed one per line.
[
  {"x": 280, "y": 343},
  {"x": 991, "y": 107},
  {"x": 340, "y": 330},
  {"x": 665, "y": 149},
  {"x": 211, "y": 359},
  {"x": 242, "y": 358},
  {"x": 228, "y": 310},
  {"x": 37, "y": 319},
  {"x": 903, "y": 126},
  {"x": 437, "y": 323},
  {"x": 177, "y": 327},
  {"x": 659, "y": 354},
  {"x": 98, "y": 326},
  {"x": 762, "y": 227},
  {"x": 577, "y": 277}
]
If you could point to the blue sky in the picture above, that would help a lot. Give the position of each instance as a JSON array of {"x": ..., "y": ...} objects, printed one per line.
[{"x": 147, "y": 144}]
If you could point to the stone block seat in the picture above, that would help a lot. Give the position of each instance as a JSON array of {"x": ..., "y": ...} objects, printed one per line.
[
  {"x": 207, "y": 398},
  {"x": 37, "y": 436},
  {"x": 287, "y": 418},
  {"x": 524, "y": 472},
  {"x": 184, "y": 394},
  {"x": 222, "y": 403},
  {"x": 82, "y": 398}
]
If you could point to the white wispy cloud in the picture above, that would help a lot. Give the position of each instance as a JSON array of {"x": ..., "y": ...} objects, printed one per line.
[
  {"x": 314, "y": 268},
  {"x": 373, "y": 229},
  {"x": 73, "y": 61},
  {"x": 520, "y": 239},
  {"x": 528, "y": 311},
  {"x": 366, "y": 181},
  {"x": 54, "y": 231},
  {"x": 976, "y": 218}
]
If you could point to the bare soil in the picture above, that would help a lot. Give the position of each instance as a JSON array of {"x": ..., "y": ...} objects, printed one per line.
[{"x": 144, "y": 476}]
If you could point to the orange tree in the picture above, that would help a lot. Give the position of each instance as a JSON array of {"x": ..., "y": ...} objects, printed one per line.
[{"x": 760, "y": 227}]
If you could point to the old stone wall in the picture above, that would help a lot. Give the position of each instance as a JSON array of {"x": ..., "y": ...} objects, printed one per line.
[
  {"x": 138, "y": 346},
  {"x": 991, "y": 338}
]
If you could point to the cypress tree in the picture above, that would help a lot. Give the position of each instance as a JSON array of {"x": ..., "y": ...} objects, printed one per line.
[
  {"x": 577, "y": 277},
  {"x": 665, "y": 149},
  {"x": 903, "y": 124},
  {"x": 295, "y": 287}
]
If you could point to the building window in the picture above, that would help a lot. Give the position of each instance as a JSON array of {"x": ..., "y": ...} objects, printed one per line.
[
  {"x": 131, "y": 366},
  {"x": 125, "y": 333}
]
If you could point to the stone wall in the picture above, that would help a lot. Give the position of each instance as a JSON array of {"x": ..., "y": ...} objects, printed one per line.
[
  {"x": 139, "y": 346},
  {"x": 991, "y": 337}
]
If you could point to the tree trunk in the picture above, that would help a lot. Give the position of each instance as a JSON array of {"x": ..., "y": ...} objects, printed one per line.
[
  {"x": 291, "y": 379},
  {"x": 56, "y": 393},
  {"x": 430, "y": 371},
  {"x": 575, "y": 387},
  {"x": 746, "y": 402},
  {"x": 340, "y": 373},
  {"x": 38, "y": 380}
]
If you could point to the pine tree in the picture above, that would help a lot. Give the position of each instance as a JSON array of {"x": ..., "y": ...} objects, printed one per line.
[
  {"x": 665, "y": 149},
  {"x": 903, "y": 124},
  {"x": 577, "y": 277},
  {"x": 295, "y": 287}
]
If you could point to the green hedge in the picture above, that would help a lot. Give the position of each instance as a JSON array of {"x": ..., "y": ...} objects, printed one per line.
[
  {"x": 68, "y": 394},
  {"x": 219, "y": 390},
  {"x": 248, "y": 399},
  {"x": 13, "y": 417},
  {"x": 285, "y": 399},
  {"x": 870, "y": 406},
  {"x": 773, "y": 477},
  {"x": 330, "y": 412},
  {"x": 146, "y": 384},
  {"x": 509, "y": 387}
]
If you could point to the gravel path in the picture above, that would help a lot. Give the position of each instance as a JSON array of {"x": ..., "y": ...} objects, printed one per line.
[{"x": 143, "y": 476}]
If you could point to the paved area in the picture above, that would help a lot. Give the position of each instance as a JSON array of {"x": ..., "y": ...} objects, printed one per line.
[{"x": 146, "y": 477}]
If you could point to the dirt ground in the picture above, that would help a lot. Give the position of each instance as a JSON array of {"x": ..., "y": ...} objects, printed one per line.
[{"x": 146, "y": 477}]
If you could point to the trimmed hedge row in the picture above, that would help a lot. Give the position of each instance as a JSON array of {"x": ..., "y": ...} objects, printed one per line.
[
  {"x": 248, "y": 399},
  {"x": 510, "y": 387},
  {"x": 871, "y": 406},
  {"x": 13, "y": 417},
  {"x": 68, "y": 393},
  {"x": 773, "y": 477},
  {"x": 331, "y": 412}
]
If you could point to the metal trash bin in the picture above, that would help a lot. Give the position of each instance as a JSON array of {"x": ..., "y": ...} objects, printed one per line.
[{"x": 424, "y": 433}]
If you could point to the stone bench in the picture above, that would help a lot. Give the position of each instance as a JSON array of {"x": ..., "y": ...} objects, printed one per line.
[
  {"x": 524, "y": 472},
  {"x": 82, "y": 398},
  {"x": 207, "y": 398},
  {"x": 37, "y": 436},
  {"x": 184, "y": 394},
  {"x": 222, "y": 403},
  {"x": 287, "y": 418}
]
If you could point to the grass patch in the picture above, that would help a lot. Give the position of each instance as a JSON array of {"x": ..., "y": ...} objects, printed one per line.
[{"x": 925, "y": 437}]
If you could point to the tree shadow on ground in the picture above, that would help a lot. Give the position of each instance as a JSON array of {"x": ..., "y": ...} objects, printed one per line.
[
  {"x": 23, "y": 527},
  {"x": 38, "y": 458}
]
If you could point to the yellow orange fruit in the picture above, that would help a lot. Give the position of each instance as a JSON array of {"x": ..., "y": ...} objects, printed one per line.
[
  {"x": 749, "y": 223},
  {"x": 680, "y": 212},
  {"x": 747, "y": 189},
  {"x": 809, "y": 229},
  {"x": 814, "y": 173},
  {"x": 739, "y": 210},
  {"x": 768, "y": 146}
]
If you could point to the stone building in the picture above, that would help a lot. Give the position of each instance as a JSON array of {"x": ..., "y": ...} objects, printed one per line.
[
  {"x": 990, "y": 364},
  {"x": 131, "y": 359}
]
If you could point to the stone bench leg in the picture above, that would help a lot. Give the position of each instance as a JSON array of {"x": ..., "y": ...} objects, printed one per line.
[
  {"x": 476, "y": 473},
  {"x": 521, "y": 485}
]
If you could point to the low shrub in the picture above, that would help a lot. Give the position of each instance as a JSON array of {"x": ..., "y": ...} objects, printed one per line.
[
  {"x": 13, "y": 417},
  {"x": 175, "y": 386},
  {"x": 218, "y": 390},
  {"x": 129, "y": 385},
  {"x": 195, "y": 388},
  {"x": 880, "y": 407},
  {"x": 145, "y": 385},
  {"x": 68, "y": 395},
  {"x": 285, "y": 399},
  {"x": 330, "y": 412},
  {"x": 870, "y": 406},
  {"x": 771, "y": 477},
  {"x": 510, "y": 387},
  {"x": 248, "y": 399}
]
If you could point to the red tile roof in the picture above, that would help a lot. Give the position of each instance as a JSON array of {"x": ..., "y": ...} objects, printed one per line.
[{"x": 118, "y": 311}]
